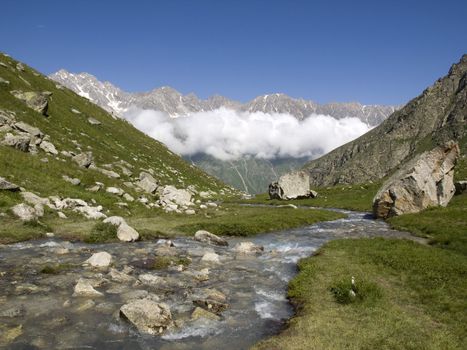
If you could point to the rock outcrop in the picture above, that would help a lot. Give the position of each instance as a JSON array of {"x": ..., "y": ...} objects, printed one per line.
[
  {"x": 292, "y": 186},
  {"x": 425, "y": 181},
  {"x": 37, "y": 101}
]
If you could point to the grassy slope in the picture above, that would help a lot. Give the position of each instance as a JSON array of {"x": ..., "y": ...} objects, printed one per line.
[{"x": 413, "y": 296}]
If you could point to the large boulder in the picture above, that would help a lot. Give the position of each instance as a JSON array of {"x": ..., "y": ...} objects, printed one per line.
[
  {"x": 48, "y": 147},
  {"x": 35, "y": 100},
  {"x": 100, "y": 259},
  {"x": 425, "y": 181},
  {"x": 19, "y": 141},
  {"x": 29, "y": 129},
  {"x": 292, "y": 186},
  {"x": 127, "y": 233},
  {"x": 208, "y": 237},
  {"x": 147, "y": 315}
]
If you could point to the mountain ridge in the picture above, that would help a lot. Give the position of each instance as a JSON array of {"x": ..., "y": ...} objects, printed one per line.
[{"x": 172, "y": 102}]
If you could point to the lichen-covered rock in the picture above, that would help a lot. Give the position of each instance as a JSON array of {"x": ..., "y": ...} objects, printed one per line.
[
  {"x": 148, "y": 316},
  {"x": 84, "y": 159},
  {"x": 426, "y": 180},
  {"x": 147, "y": 182},
  {"x": 208, "y": 237},
  {"x": 291, "y": 186},
  {"x": 24, "y": 212},
  {"x": 35, "y": 100}
]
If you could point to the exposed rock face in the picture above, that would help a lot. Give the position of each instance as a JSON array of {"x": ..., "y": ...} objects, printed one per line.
[
  {"x": 425, "y": 181},
  {"x": 148, "y": 316},
  {"x": 34, "y": 100},
  {"x": 208, "y": 237},
  {"x": 291, "y": 186},
  {"x": 7, "y": 186},
  {"x": 437, "y": 116}
]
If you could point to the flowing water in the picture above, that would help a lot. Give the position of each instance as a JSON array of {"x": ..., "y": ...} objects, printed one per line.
[{"x": 42, "y": 308}]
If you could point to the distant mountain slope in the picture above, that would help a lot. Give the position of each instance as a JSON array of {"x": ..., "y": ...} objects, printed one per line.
[
  {"x": 170, "y": 101},
  {"x": 39, "y": 142},
  {"x": 437, "y": 115}
]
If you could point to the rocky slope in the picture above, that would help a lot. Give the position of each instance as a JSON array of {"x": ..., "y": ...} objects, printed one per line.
[
  {"x": 436, "y": 116},
  {"x": 67, "y": 155},
  {"x": 170, "y": 101}
]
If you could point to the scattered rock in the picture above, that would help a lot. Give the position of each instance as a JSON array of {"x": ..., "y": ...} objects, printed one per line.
[
  {"x": 207, "y": 237},
  {"x": 147, "y": 182},
  {"x": 75, "y": 111},
  {"x": 190, "y": 212},
  {"x": 74, "y": 181},
  {"x": 18, "y": 141},
  {"x": 128, "y": 197},
  {"x": 108, "y": 173},
  {"x": 29, "y": 129},
  {"x": 48, "y": 147},
  {"x": 84, "y": 160},
  {"x": 34, "y": 100},
  {"x": 426, "y": 180},
  {"x": 211, "y": 258},
  {"x": 8, "y": 186},
  {"x": 84, "y": 288},
  {"x": 248, "y": 248},
  {"x": 62, "y": 215},
  {"x": 461, "y": 187},
  {"x": 114, "y": 190},
  {"x": 101, "y": 259},
  {"x": 126, "y": 233},
  {"x": 202, "y": 313},
  {"x": 292, "y": 186},
  {"x": 93, "y": 121},
  {"x": 148, "y": 316},
  {"x": 24, "y": 212},
  {"x": 4, "y": 81}
]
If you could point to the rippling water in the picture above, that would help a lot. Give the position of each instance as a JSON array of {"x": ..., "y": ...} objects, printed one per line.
[{"x": 255, "y": 287}]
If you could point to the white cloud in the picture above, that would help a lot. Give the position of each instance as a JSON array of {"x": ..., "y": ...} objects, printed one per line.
[{"x": 227, "y": 134}]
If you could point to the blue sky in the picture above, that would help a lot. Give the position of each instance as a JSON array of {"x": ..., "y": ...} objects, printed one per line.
[{"x": 381, "y": 52}]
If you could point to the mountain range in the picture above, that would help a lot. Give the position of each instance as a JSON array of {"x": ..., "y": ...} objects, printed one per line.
[{"x": 249, "y": 174}]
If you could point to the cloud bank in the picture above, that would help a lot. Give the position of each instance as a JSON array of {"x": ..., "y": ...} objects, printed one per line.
[{"x": 227, "y": 135}]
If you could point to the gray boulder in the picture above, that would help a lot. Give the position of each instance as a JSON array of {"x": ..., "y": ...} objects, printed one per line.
[
  {"x": 425, "y": 181},
  {"x": 18, "y": 141},
  {"x": 24, "y": 212},
  {"x": 207, "y": 237},
  {"x": 292, "y": 186},
  {"x": 171, "y": 194},
  {"x": 84, "y": 159},
  {"x": 48, "y": 147},
  {"x": 73, "y": 180},
  {"x": 8, "y": 186},
  {"x": 35, "y": 100},
  {"x": 461, "y": 187},
  {"x": 29, "y": 129},
  {"x": 127, "y": 233},
  {"x": 148, "y": 316},
  {"x": 100, "y": 259},
  {"x": 147, "y": 182}
]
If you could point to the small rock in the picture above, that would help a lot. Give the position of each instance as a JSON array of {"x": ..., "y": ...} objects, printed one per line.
[
  {"x": 115, "y": 190},
  {"x": 148, "y": 316},
  {"x": 74, "y": 181},
  {"x": 202, "y": 313},
  {"x": 24, "y": 212},
  {"x": 211, "y": 258},
  {"x": 190, "y": 212},
  {"x": 93, "y": 121},
  {"x": 126, "y": 233},
  {"x": 50, "y": 234},
  {"x": 84, "y": 289},
  {"x": 207, "y": 237},
  {"x": 248, "y": 248},
  {"x": 84, "y": 160},
  {"x": 115, "y": 220},
  {"x": 101, "y": 259},
  {"x": 128, "y": 197},
  {"x": 8, "y": 186}
]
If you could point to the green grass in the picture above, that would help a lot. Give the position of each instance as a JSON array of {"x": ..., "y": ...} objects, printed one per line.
[
  {"x": 412, "y": 297},
  {"x": 163, "y": 262},
  {"x": 445, "y": 227},
  {"x": 351, "y": 197},
  {"x": 56, "y": 269},
  {"x": 102, "y": 233}
]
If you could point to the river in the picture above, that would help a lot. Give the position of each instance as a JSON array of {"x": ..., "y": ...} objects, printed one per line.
[{"x": 47, "y": 316}]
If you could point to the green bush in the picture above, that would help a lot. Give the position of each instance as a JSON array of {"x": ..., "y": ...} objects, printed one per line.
[{"x": 101, "y": 233}]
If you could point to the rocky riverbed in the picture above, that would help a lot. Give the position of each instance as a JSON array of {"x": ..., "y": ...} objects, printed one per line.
[{"x": 205, "y": 295}]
